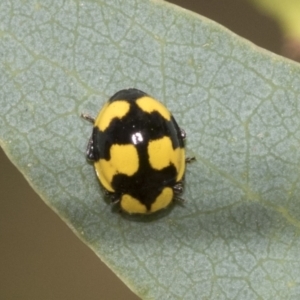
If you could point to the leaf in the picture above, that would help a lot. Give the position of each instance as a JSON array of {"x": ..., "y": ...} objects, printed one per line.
[{"x": 237, "y": 236}]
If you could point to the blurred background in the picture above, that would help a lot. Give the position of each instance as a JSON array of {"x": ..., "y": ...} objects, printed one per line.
[{"x": 40, "y": 257}]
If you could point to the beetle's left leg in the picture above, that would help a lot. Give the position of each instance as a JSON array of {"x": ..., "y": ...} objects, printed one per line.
[
  {"x": 90, "y": 147},
  {"x": 88, "y": 117},
  {"x": 114, "y": 197}
]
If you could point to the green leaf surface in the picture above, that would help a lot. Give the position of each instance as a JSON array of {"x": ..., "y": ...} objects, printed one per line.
[{"x": 237, "y": 236}]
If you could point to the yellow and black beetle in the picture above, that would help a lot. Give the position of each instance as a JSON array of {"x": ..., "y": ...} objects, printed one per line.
[{"x": 138, "y": 152}]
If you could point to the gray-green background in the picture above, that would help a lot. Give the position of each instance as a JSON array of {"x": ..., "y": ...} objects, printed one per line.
[{"x": 40, "y": 257}]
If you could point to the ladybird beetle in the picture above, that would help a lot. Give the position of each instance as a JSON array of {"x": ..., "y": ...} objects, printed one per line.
[{"x": 138, "y": 152}]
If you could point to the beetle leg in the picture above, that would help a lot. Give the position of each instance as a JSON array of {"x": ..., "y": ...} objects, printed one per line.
[
  {"x": 182, "y": 133},
  {"x": 90, "y": 150},
  {"x": 190, "y": 159},
  {"x": 179, "y": 199},
  {"x": 88, "y": 117},
  {"x": 90, "y": 147},
  {"x": 178, "y": 188},
  {"x": 114, "y": 197}
]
